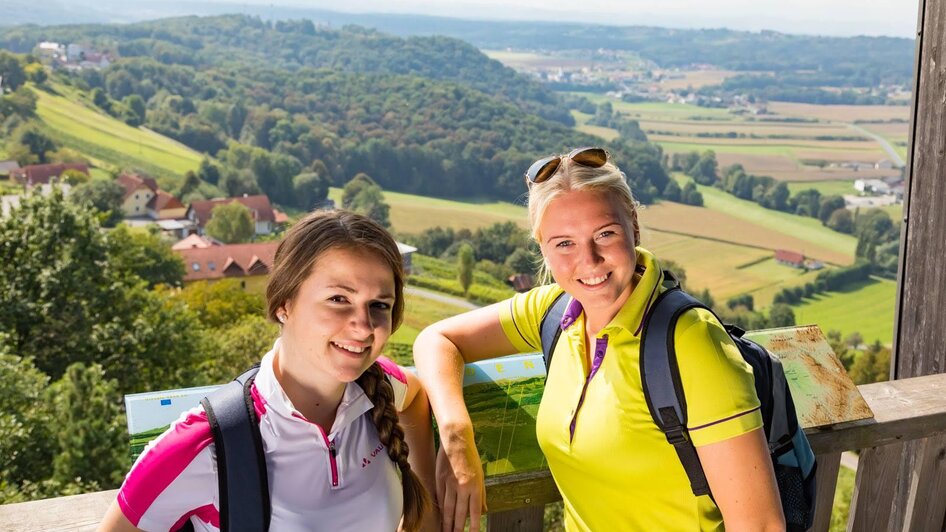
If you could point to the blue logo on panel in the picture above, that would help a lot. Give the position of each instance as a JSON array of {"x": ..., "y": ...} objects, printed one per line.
[{"x": 165, "y": 402}]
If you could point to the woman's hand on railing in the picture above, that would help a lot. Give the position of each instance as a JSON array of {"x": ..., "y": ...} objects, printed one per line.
[{"x": 461, "y": 488}]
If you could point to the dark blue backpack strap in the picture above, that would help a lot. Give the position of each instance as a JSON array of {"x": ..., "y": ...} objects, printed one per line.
[
  {"x": 660, "y": 378},
  {"x": 241, "y": 464},
  {"x": 551, "y": 327}
]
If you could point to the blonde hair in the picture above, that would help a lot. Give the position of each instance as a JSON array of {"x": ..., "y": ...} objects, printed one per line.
[
  {"x": 296, "y": 255},
  {"x": 607, "y": 180}
]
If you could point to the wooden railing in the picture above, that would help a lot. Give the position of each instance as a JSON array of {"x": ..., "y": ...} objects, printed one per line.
[{"x": 905, "y": 411}]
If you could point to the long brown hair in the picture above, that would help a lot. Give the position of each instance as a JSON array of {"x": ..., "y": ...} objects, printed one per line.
[{"x": 296, "y": 255}]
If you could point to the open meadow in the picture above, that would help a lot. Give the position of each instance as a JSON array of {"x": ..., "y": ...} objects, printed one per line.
[
  {"x": 111, "y": 142},
  {"x": 867, "y": 308}
]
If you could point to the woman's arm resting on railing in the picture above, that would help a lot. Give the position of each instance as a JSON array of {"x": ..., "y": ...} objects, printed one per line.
[
  {"x": 440, "y": 351},
  {"x": 115, "y": 521},
  {"x": 740, "y": 475}
]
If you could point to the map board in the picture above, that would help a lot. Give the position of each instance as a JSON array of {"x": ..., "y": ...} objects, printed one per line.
[{"x": 503, "y": 395}]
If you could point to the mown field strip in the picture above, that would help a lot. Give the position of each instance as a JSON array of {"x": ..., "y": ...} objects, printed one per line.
[
  {"x": 841, "y": 113},
  {"x": 711, "y": 143}
]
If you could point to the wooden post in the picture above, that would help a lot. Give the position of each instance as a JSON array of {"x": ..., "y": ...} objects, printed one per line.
[
  {"x": 920, "y": 325},
  {"x": 826, "y": 481},
  {"x": 528, "y": 519},
  {"x": 873, "y": 501}
]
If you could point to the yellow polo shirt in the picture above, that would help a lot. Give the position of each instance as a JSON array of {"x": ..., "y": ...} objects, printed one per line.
[{"x": 613, "y": 466}]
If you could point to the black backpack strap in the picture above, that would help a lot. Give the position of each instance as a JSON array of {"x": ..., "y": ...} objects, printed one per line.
[
  {"x": 241, "y": 464},
  {"x": 551, "y": 327},
  {"x": 660, "y": 377}
]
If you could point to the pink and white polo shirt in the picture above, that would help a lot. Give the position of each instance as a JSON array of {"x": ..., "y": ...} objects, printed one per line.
[{"x": 339, "y": 480}]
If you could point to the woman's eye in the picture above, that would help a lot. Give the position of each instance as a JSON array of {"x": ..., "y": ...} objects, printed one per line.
[
  {"x": 381, "y": 305},
  {"x": 563, "y": 244},
  {"x": 605, "y": 234},
  {"x": 338, "y": 299}
]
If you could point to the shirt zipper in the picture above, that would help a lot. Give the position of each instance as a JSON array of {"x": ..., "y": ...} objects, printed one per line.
[
  {"x": 601, "y": 346},
  {"x": 332, "y": 453}
]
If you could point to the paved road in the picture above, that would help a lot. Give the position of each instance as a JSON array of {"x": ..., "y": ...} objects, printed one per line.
[
  {"x": 849, "y": 460},
  {"x": 894, "y": 156},
  {"x": 443, "y": 298}
]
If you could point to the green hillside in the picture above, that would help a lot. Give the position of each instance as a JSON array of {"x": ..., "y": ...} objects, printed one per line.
[
  {"x": 867, "y": 308},
  {"x": 109, "y": 141}
]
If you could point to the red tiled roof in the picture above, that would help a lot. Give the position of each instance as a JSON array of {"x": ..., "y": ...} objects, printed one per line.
[
  {"x": 259, "y": 206},
  {"x": 163, "y": 200},
  {"x": 792, "y": 257},
  {"x": 194, "y": 241},
  {"x": 232, "y": 260},
  {"x": 132, "y": 182},
  {"x": 40, "y": 174}
]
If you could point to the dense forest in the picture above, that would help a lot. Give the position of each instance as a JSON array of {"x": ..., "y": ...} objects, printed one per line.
[{"x": 425, "y": 115}]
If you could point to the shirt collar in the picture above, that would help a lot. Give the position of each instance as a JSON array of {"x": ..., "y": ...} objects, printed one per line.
[
  {"x": 353, "y": 405},
  {"x": 631, "y": 315}
]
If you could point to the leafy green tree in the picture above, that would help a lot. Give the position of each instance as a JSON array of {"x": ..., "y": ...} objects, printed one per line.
[
  {"x": 143, "y": 254},
  {"x": 744, "y": 300},
  {"x": 221, "y": 303},
  {"x": 364, "y": 196},
  {"x": 873, "y": 365},
  {"x": 705, "y": 171},
  {"x": 208, "y": 171},
  {"x": 21, "y": 103},
  {"x": 101, "y": 100},
  {"x": 672, "y": 191},
  {"x": 137, "y": 106},
  {"x": 238, "y": 346},
  {"x": 11, "y": 69},
  {"x": 36, "y": 73},
  {"x": 37, "y": 142},
  {"x": 841, "y": 221},
  {"x": 231, "y": 223},
  {"x": 191, "y": 183},
  {"x": 26, "y": 442},
  {"x": 781, "y": 315},
  {"x": 63, "y": 300},
  {"x": 522, "y": 261},
  {"x": 465, "y": 266},
  {"x": 93, "y": 447},
  {"x": 310, "y": 189},
  {"x": 690, "y": 195},
  {"x": 829, "y": 204},
  {"x": 105, "y": 197}
]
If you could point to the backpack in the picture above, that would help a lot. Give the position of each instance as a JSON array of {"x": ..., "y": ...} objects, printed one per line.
[
  {"x": 244, "y": 489},
  {"x": 792, "y": 457}
]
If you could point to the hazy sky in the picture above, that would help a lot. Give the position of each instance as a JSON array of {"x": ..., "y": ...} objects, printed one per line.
[{"x": 826, "y": 17}]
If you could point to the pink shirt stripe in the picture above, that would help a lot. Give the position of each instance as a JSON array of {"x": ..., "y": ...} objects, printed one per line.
[
  {"x": 392, "y": 369},
  {"x": 207, "y": 513},
  {"x": 161, "y": 465}
]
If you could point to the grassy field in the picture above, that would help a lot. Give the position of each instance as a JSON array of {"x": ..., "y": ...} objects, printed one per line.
[
  {"x": 504, "y": 415},
  {"x": 111, "y": 142},
  {"x": 867, "y": 308},
  {"x": 420, "y": 312},
  {"x": 413, "y": 214},
  {"x": 841, "y": 113},
  {"x": 820, "y": 242},
  {"x": 581, "y": 124},
  {"x": 826, "y": 188}
]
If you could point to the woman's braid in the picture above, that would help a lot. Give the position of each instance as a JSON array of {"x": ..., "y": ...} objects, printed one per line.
[{"x": 384, "y": 416}]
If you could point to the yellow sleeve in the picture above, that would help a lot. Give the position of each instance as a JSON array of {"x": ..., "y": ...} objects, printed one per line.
[
  {"x": 521, "y": 316},
  {"x": 717, "y": 382}
]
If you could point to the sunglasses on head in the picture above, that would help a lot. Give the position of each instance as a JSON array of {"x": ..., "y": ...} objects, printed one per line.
[{"x": 545, "y": 168}]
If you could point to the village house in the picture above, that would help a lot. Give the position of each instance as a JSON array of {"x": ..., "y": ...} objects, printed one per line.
[
  {"x": 250, "y": 262},
  {"x": 790, "y": 258},
  {"x": 195, "y": 241},
  {"x": 42, "y": 174},
  {"x": 264, "y": 215},
  {"x": 143, "y": 198},
  {"x": 8, "y": 167},
  {"x": 12, "y": 201}
]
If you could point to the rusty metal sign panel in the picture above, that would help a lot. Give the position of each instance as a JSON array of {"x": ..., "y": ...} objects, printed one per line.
[{"x": 823, "y": 392}]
